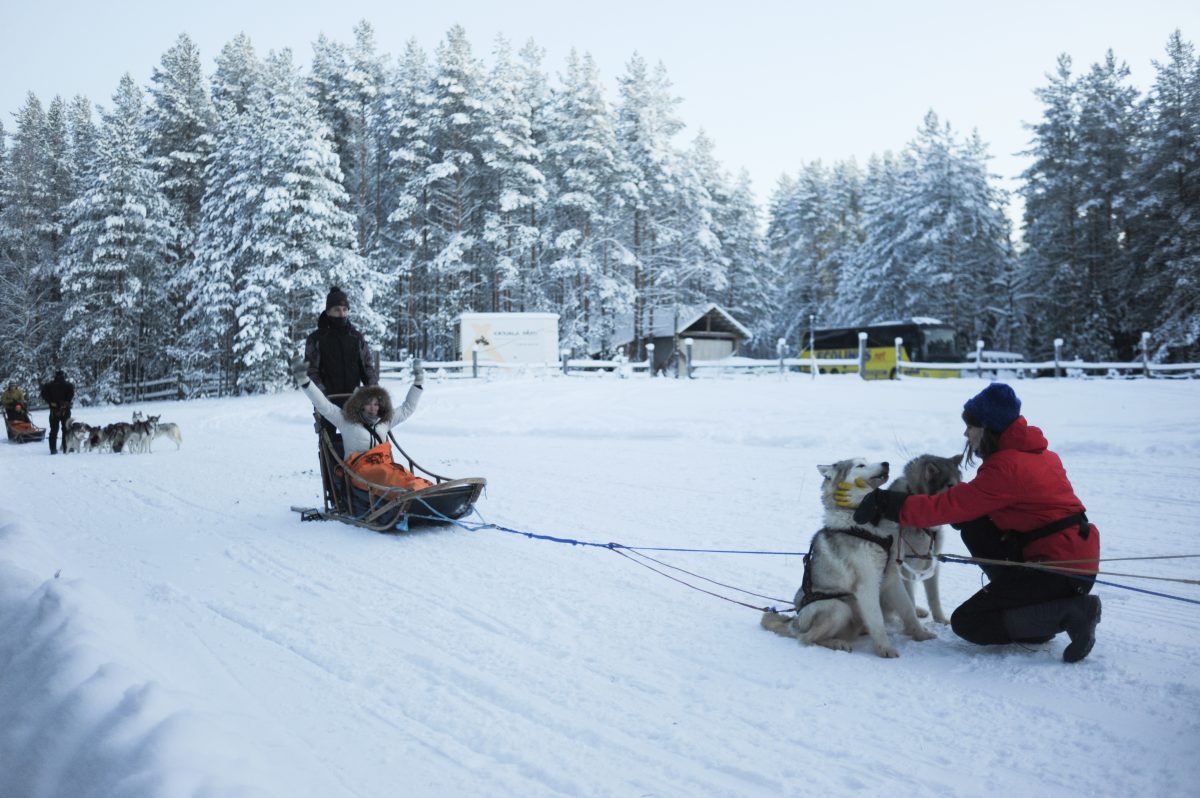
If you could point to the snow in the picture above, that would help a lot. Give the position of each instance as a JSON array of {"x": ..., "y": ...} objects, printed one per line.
[{"x": 169, "y": 628}]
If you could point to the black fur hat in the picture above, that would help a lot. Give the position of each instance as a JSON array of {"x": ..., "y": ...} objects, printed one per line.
[{"x": 337, "y": 297}]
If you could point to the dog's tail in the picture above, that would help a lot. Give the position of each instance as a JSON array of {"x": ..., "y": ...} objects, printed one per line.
[{"x": 778, "y": 623}]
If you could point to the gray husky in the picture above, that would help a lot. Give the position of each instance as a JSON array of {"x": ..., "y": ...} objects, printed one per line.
[
  {"x": 850, "y": 573},
  {"x": 919, "y": 547}
]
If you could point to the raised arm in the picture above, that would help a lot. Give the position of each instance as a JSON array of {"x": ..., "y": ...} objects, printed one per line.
[{"x": 325, "y": 407}]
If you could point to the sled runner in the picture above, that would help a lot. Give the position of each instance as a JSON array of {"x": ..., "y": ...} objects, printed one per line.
[
  {"x": 353, "y": 499},
  {"x": 20, "y": 429}
]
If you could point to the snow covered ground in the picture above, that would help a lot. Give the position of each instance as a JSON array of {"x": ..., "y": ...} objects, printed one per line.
[{"x": 169, "y": 628}]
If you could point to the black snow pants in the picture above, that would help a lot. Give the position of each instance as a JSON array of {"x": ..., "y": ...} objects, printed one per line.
[{"x": 980, "y": 619}]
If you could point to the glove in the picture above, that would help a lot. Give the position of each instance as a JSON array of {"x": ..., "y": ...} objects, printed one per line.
[
  {"x": 418, "y": 373},
  {"x": 841, "y": 495},
  {"x": 880, "y": 504},
  {"x": 300, "y": 370}
]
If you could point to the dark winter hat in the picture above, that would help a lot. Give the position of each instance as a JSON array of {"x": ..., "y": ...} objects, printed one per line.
[
  {"x": 994, "y": 408},
  {"x": 59, "y": 375},
  {"x": 337, "y": 297}
]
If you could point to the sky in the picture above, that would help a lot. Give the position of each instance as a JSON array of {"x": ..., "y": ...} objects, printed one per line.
[
  {"x": 170, "y": 628},
  {"x": 775, "y": 84}
]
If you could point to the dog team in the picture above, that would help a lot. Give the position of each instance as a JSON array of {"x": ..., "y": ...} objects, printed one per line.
[{"x": 134, "y": 436}]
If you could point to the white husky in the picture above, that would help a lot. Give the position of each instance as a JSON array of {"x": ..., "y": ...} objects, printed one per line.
[
  {"x": 166, "y": 429},
  {"x": 850, "y": 573}
]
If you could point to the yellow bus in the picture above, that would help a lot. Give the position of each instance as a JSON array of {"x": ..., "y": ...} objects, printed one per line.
[{"x": 923, "y": 340}]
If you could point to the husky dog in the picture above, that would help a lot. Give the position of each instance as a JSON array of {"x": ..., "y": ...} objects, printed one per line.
[
  {"x": 142, "y": 432},
  {"x": 919, "y": 547},
  {"x": 850, "y": 573},
  {"x": 114, "y": 436},
  {"x": 79, "y": 436},
  {"x": 167, "y": 430}
]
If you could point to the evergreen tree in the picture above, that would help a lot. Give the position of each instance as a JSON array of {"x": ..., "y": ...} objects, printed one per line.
[
  {"x": 27, "y": 244},
  {"x": 116, "y": 260},
  {"x": 1053, "y": 195},
  {"x": 238, "y": 71},
  {"x": 405, "y": 238},
  {"x": 514, "y": 184},
  {"x": 699, "y": 268},
  {"x": 750, "y": 293},
  {"x": 348, "y": 82},
  {"x": 868, "y": 287},
  {"x": 1107, "y": 143},
  {"x": 453, "y": 191},
  {"x": 646, "y": 124},
  {"x": 1167, "y": 245},
  {"x": 297, "y": 237},
  {"x": 591, "y": 288}
]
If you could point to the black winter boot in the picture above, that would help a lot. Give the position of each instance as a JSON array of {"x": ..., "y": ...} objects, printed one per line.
[{"x": 1077, "y": 616}]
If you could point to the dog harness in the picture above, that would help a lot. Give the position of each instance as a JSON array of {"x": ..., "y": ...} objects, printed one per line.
[{"x": 808, "y": 595}]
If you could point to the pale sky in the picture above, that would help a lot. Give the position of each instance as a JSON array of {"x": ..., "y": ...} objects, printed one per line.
[{"x": 775, "y": 84}]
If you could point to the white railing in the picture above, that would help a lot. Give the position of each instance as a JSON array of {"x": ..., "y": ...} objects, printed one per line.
[{"x": 1059, "y": 367}]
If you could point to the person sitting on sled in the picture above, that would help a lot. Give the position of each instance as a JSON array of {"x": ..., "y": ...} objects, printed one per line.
[
  {"x": 14, "y": 402},
  {"x": 364, "y": 421}
]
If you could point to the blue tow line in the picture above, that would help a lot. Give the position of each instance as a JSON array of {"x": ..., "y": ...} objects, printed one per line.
[{"x": 614, "y": 546}]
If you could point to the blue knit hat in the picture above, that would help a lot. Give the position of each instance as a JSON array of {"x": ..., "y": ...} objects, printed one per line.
[{"x": 994, "y": 408}]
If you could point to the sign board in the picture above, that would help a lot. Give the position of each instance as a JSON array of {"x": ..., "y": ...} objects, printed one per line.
[{"x": 508, "y": 339}]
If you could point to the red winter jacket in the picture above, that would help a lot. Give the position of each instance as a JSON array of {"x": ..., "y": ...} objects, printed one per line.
[{"x": 1021, "y": 487}]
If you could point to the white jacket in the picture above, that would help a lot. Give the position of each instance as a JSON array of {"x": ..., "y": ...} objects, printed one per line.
[{"x": 355, "y": 436}]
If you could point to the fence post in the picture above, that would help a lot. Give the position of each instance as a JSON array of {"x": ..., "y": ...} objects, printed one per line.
[
  {"x": 1058, "y": 342},
  {"x": 1146, "y": 353},
  {"x": 650, "y": 358},
  {"x": 475, "y": 361},
  {"x": 780, "y": 348},
  {"x": 565, "y": 353},
  {"x": 812, "y": 342},
  {"x": 899, "y": 342},
  {"x": 979, "y": 359},
  {"x": 688, "y": 344},
  {"x": 862, "y": 355}
]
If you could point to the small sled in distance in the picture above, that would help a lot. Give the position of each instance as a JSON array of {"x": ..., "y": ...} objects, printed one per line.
[{"x": 18, "y": 426}]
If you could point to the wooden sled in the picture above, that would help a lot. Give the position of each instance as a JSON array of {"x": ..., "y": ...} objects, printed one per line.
[
  {"x": 19, "y": 428},
  {"x": 386, "y": 508}
]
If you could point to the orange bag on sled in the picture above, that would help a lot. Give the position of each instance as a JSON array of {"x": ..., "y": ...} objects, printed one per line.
[{"x": 376, "y": 465}]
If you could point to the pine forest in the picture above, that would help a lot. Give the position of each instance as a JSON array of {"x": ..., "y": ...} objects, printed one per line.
[{"x": 191, "y": 228}]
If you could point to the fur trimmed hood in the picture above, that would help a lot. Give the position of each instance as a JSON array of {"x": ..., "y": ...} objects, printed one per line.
[{"x": 364, "y": 393}]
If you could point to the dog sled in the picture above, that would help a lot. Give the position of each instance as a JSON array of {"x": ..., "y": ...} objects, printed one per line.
[
  {"x": 18, "y": 426},
  {"x": 353, "y": 499}
]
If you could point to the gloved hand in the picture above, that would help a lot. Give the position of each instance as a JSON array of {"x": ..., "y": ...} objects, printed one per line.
[
  {"x": 841, "y": 495},
  {"x": 299, "y": 368},
  {"x": 880, "y": 504},
  {"x": 418, "y": 373}
]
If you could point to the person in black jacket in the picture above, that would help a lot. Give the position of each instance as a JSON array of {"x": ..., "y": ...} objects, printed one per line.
[
  {"x": 58, "y": 394},
  {"x": 339, "y": 359}
]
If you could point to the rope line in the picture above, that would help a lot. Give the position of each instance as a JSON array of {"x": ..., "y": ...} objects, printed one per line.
[
  {"x": 687, "y": 584},
  {"x": 706, "y": 579},
  {"x": 621, "y": 548}
]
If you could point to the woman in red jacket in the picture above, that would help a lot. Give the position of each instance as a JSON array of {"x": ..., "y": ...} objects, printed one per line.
[{"x": 1019, "y": 508}]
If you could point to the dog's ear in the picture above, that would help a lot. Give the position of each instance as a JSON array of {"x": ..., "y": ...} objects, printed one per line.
[
  {"x": 827, "y": 471},
  {"x": 957, "y": 459}
]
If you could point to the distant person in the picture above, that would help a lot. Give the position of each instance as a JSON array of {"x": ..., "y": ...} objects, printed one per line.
[
  {"x": 13, "y": 396},
  {"x": 338, "y": 357},
  {"x": 1019, "y": 508},
  {"x": 58, "y": 394}
]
